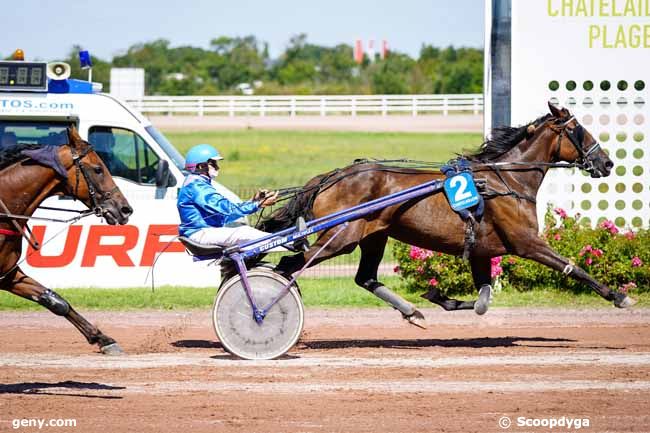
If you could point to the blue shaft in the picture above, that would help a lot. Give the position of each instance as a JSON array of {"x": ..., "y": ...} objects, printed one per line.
[{"x": 328, "y": 221}]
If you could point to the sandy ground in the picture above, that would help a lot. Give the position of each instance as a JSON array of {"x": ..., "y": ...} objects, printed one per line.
[
  {"x": 423, "y": 123},
  {"x": 352, "y": 371}
]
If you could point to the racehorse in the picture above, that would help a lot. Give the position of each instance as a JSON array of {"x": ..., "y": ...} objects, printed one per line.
[
  {"x": 513, "y": 162},
  {"x": 30, "y": 174}
]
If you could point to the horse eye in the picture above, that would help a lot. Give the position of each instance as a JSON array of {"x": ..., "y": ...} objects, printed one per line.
[{"x": 98, "y": 169}]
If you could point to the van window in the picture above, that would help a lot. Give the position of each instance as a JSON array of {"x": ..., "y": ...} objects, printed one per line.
[
  {"x": 125, "y": 153},
  {"x": 14, "y": 132}
]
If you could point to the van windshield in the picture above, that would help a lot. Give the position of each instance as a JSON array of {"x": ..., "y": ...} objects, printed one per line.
[
  {"x": 167, "y": 147},
  {"x": 13, "y": 132}
]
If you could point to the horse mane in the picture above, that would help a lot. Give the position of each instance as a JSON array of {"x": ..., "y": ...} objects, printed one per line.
[
  {"x": 503, "y": 139},
  {"x": 14, "y": 154}
]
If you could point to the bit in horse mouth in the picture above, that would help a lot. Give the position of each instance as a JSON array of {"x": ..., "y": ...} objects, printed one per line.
[{"x": 110, "y": 218}]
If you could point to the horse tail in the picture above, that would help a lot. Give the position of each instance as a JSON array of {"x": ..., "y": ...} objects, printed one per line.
[{"x": 300, "y": 205}]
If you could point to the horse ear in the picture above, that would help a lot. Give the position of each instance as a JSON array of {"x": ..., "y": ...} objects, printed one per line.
[
  {"x": 556, "y": 111},
  {"x": 530, "y": 130},
  {"x": 73, "y": 135}
]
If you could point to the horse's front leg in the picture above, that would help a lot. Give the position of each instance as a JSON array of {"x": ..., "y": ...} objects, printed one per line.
[
  {"x": 481, "y": 274},
  {"x": 28, "y": 288},
  {"x": 541, "y": 252}
]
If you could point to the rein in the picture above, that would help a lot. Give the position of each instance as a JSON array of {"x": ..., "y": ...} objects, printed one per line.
[
  {"x": 576, "y": 136},
  {"x": 327, "y": 182}
]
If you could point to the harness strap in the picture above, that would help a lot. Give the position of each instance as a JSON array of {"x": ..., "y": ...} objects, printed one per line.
[
  {"x": 510, "y": 192},
  {"x": 21, "y": 231},
  {"x": 7, "y": 232}
]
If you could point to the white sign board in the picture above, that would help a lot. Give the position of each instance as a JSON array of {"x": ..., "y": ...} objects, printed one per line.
[
  {"x": 592, "y": 57},
  {"x": 127, "y": 83}
]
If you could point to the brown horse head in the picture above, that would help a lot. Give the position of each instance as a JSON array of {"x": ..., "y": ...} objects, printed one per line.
[
  {"x": 89, "y": 180},
  {"x": 577, "y": 145}
]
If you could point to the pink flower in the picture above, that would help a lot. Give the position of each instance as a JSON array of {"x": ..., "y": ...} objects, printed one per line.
[
  {"x": 396, "y": 269},
  {"x": 557, "y": 237},
  {"x": 496, "y": 269},
  {"x": 419, "y": 253},
  {"x": 420, "y": 270},
  {"x": 609, "y": 225},
  {"x": 625, "y": 288},
  {"x": 636, "y": 262},
  {"x": 597, "y": 252},
  {"x": 585, "y": 249},
  {"x": 630, "y": 235},
  {"x": 433, "y": 282},
  {"x": 561, "y": 212},
  {"x": 588, "y": 261}
]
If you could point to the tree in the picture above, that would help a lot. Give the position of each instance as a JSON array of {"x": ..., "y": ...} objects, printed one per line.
[
  {"x": 240, "y": 60},
  {"x": 391, "y": 76}
]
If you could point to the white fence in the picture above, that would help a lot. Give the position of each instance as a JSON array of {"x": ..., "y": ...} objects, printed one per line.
[{"x": 309, "y": 105}]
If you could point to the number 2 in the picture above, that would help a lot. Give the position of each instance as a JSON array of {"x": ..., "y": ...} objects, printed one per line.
[{"x": 461, "y": 193}]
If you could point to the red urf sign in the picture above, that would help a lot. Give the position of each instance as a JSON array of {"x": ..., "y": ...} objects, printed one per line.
[{"x": 94, "y": 245}]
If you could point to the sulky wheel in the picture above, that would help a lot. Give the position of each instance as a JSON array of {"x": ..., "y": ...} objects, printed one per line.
[{"x": 240, "y": 334}]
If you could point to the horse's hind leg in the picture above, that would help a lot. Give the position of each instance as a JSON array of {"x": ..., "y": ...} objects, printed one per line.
[
  {"x": 29, "y": 288},
  {"x": 451, "y": 304},
  {"x": 372, "y": 251}
]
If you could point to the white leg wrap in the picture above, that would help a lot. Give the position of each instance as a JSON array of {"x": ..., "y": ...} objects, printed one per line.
[
  {"x": 568, "y": 269},
  {"x": 404, "y": 307}
]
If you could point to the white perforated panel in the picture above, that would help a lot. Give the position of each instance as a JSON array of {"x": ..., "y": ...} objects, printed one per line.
[{"x": 556, "y": 58}]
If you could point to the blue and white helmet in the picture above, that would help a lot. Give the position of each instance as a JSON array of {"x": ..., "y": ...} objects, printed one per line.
[{"x": 200, "y": 153}]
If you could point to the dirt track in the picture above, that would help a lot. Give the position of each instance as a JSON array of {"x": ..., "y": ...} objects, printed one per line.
[{"x": 353, "y": 371}]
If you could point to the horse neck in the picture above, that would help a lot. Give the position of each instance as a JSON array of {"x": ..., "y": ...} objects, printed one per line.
[
  {"x": 537, "y": 149},
  {"x": 27, "y": 186}
]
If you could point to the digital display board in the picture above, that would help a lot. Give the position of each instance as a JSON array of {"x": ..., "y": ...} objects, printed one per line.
[{"x": 23, "y": 76}]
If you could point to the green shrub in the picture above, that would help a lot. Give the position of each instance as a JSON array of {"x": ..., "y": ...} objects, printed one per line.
[{"x": 615, "y": 258}]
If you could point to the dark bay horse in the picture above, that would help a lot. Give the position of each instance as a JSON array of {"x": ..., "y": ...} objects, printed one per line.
[
  {"x": 513, "y": 162},
  {"x": 29, "y": 175}
]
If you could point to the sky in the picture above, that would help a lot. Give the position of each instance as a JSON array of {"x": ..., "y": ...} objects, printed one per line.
[{"x": 47, "y": 29}]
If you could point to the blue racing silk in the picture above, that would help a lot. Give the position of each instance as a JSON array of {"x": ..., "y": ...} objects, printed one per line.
[{"x": 201, "y": 206}]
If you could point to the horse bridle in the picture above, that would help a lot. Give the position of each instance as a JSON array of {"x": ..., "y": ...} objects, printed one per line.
[
  {"x": 576, "y": 137},
  {"x": 80, "y": 167}
]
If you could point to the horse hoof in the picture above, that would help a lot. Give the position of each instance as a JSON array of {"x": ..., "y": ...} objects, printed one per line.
[
  {"x": 417, "y": 319},
  {"x": 482, "y": 303},
  {"x": 627, "y": 302},
  {"x": 112, "y": 349}
]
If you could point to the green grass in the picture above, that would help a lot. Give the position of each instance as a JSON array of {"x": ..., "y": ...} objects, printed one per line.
[
  {"x": 277, "y": 159},
  {"x": 317, "y": 292}
]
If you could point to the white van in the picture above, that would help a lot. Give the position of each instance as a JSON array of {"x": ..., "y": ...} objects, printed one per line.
[{"x": 146, "y": 167}]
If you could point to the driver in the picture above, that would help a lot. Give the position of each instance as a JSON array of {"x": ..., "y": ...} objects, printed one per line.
[
  {"x": 204, "y": 212},
  {"x": 103, "y": 143}
]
